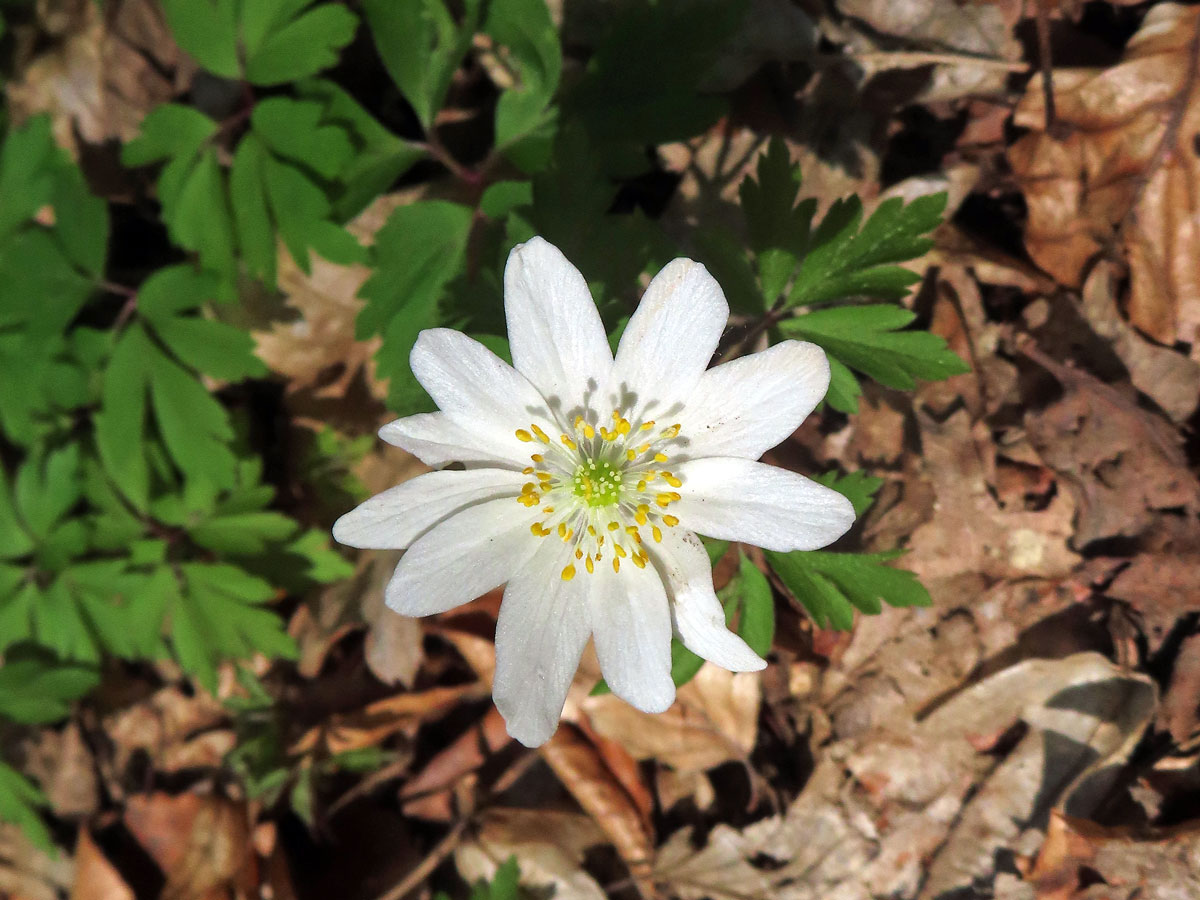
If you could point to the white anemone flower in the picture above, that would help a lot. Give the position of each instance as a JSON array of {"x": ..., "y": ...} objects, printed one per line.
[{"x": 585, "y": 479}]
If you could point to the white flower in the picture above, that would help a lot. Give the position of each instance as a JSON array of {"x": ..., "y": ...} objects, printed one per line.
[{"x": 587, "y": 479}]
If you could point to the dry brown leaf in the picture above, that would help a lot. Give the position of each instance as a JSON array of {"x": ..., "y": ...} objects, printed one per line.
[
  {"x": 1163, "y": 865},
  {"x": 176, "y": 731},
  {"x": 201, "y": 843},
  {"x": 29, "y": 873},
  {"x": 1120, "y": 463},
  {"x": 549, "y": 846},
  {"x": 429, "y": 793},
  {"x": 95, "y": 877},
  {"x": 969, "y": 532},
  {"x": 714, "y": 720},
  {"x": 376, "y": 722},
  {"x": 61, "y": 762},
  {"x": 110, "y": 67},
  {"x": 1124, "y": 174},
  {"x": 582, "y": 771}
]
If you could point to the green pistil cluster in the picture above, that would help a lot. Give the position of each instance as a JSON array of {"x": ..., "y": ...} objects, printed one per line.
[{"x": 597, "y": 483}]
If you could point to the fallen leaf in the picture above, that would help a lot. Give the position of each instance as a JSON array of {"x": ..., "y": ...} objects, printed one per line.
[
  {"x": 429, "y": 793},
  {"x": 549, "y": 846},
  {"x": 1118, "y": 171},
  {"x": 109, "y": 67},
  {"x": 95, "y": 877},
  {"x": 714, "y": 720},
  {"x": 174, "y": 730},
  {"x": 1120, "y": 463}
]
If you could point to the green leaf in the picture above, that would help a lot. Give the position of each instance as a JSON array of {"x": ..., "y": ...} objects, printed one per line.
[
  {"x": 844, "y": 261},
  {"x": 778, "y": 227},
  {"x": 294, "y": 47},
  {"x": 27, "y": 163},
  {"x": 857, "y": 487},
  {"x": 37, "y": 689},
  {"x": 421, "y": 46},
  {"x": 757, "y": 603},
  {"x": 208, "y": 30},
  {"x": 223, "y": 617},
  {"x": 243, "y": 534},
  {"x": 80, "y": 221},
  {"x": 121, "y": 422},
  {"x": 46, "y": 489},
  {"x": 844, "y": 389},
  {"x": 524, "y": 118},
  {"x": 867, "y": 338},
  {"x": 832, "y": 585},
  {"x": 418, "y": 251},
  {"x": 215, "y": 348},
  {"x": 379, "y": 156},
  {"x": 15, "y": 541},
  {"x": 293, "y": 129},
  {"x": 268, "y": 41},
  {"x": 19, "y": 802},
  {"x": 169, "y": 131}
]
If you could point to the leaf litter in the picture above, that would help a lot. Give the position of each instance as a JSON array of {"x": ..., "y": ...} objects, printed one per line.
[{"x": 1032, "y": 734}]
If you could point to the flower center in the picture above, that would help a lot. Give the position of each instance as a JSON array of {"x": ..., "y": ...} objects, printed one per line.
[
  {"x": 598, "y": 487},
  {"x": 597, "y": 483}
]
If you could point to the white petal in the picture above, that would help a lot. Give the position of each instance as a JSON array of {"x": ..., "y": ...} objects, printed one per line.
[
  {"x": 477, "y": 390},
  {"x": 745, "y": 407},
  {"x": 631, "y": 625},
  {"x": 543, "y": 627},
  {"x": 669, "y": 340},
  {"x": 557, "y": 338},
  {"x": 462, "y": 558},
  {"x": 400, "y": 515},
  {"x": 699, "y": 617},
  {"x": 741, "y": 500},
  {"x": 435, "y": 439}
]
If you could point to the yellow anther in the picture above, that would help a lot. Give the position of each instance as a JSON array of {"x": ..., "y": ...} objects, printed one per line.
[
  {"x": 567, "y": 537},
  {"x": 600, "y": 541},
  {"x": 539, "y": 530},
  {"x": 631, "y": 530},
  {"x": 641, "y": 485},
  {"x": 562, "y": 529},
  {"x": 547, "y": 509},
  {"x": 537, "y": 458},
  {"x": 671, "y": 480},
  {"x": 643, "y": 448},
  {"x": 646, "y": 426},
  {"x": 590, "y": 567},
  {"x": 672, "y": 432},
  {"x": 613, "y": 526},
  {"x": 641, "y": 517},
  {"x": 660, "y": 457},
  {"x": 541, "y": 435},
  {"x": 528, "y": 499},
  {"x": 616, "y": 564},
  {"x": 568, "y": 573},
  {"x": 651, "y": 475},
  {"x": 639, "y": 561},
  {"x": 523, "y": 435},
  {"x": 620, "y": 551},
  {"x": 567, "y": 440},
  {"x": 589, "y": 432},
  {"x": 663, "y": 500},
  {"x": 623, "y": 427},
  {"x": 578, "y": 553},
  {"x": 657, "y": 532},
  {"x": 670, "y": 521},
  {"x": 578, "y": 421},
  {"x": 592, "y": 530},
  {"x": 528, "y": 487},
  {"x": 630, "y": 455},
  {"x": 528, "y": 470}
]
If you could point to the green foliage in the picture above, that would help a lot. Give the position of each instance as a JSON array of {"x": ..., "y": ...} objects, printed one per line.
[
  {"x": 19, "y": 803},
  {"x": 868, "y": 339},
  {"x": 832, "y": 585},
  {"x": 265, "y": 42}
]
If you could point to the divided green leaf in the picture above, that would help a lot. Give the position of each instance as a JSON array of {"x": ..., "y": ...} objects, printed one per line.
[{"x": 832, "y": 585}]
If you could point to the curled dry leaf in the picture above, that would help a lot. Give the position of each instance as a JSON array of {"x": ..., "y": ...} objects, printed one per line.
[
  {"x": 714, "y": 720},
  {"x": 1120, "y": 169},
  {"x": 582, "y": 770},
  {"x": 1121, "y": 464},
  {"x": 985, "y": 538},
  {"x": 176, "y": 731},
  {"x": 27, "y": 872},
  {"x": 95, "y": 877},
  {"x": 111, "y": 65},
  {"x": 549, "y": 847},
  {"x": 1077, "y": 854}
]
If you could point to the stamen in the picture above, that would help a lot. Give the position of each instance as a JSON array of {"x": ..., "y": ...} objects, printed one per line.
[
  {"x": 588, "y": 563},
  {"x": 657, "y": 532},
  {"x": 616, "y": 565},
  {"x": 523, "y": 435},
  {"x": 646, "y": 426},
  {"x": 670, "y": 521},
  {"x": 568, "y": 573},
  {"x": 671, "y": 480},
  {"x": 660, "y": 457},
  {"x": 567, "y": 440}
]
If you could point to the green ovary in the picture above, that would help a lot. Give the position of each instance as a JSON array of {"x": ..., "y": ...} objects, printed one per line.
[{"x": 597, "y": 483}]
